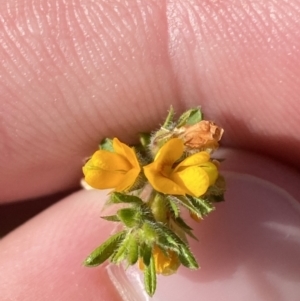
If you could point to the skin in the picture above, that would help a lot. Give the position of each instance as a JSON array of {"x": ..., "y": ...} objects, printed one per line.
[{"x": 75, "y": 72}]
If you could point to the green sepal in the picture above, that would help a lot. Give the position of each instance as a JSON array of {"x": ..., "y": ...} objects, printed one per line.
[
  {"x": 165, "y": 245},
  {"x": 103, "y": 252},
  {"x": 182, "y": 200},
  {"x": 118, "y": 198},
  {"x": 106, "y": 144},
  {"x": 111, "y": 218},
  {"x": 198, "y": 206},
  {"x": 204, "y": 207},
  {"x": 129, "y": 216},
  {"x": 170, "y": 240},
  {"x": 215, "y": 193},
  {"x": 164, "y": 233},
  {"x": 180, "y": 222},
  {"x": 185, "y": 227},
  {"x": 217, "y": 198},
  {"x": 145, "y": 139},
  {"x": 146, "y": 252},
  {"x": 133, "y": 250},
  {"x": 187, "y": 259},
  {"x": 190, "y": 117},
  {"x": 184, "y": 254},
  {"x": 174, "y": 208},
  {"x": 159, "y": 207},
  {"x": 148, "y": 232},
  {"x": 171, "y": 237},
  {"x": 150, "y": 277},
  {"x": 146, "y": 213},
  {"x": 169, "y": 120},
  {"x": 121, "y": 252}
]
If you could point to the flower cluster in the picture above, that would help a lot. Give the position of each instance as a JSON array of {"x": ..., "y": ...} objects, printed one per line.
[{"x": 170, "y": 169}]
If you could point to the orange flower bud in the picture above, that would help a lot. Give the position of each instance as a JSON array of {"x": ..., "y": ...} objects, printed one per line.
[{"x": 202, "y": 135}]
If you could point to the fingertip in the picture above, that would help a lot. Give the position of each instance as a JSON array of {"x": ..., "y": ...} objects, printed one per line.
[{"x": 43, "y": 259}]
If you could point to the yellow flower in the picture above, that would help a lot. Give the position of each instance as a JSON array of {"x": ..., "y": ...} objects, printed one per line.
[
  {"x": 118, "y": 169},
  {"x": 192, "y": 176},
  {"x": 165, "y": 263}
]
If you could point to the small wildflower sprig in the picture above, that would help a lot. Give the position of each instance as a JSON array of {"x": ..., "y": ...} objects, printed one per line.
[{"x": 170, "y": 170}]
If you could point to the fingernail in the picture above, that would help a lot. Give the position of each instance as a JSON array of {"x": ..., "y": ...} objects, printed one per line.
[
  {"x": 128, "y": 282},
  {"x": 248, "y": 249}
]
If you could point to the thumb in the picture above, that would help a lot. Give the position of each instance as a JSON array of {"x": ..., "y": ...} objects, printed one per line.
[{"x": 248, "y": 249}]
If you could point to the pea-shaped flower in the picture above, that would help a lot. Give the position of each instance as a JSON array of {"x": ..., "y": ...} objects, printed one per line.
[
  {"x": 118, "y": 169},
  {"x": 192, "y": 176}
]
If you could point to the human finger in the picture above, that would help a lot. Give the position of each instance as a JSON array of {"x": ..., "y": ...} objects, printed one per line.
[
  {"x": 247, "y": 249},
  {"x": 76, "y": 72}
]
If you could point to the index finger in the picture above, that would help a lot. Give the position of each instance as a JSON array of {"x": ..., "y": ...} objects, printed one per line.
[{"x": 75, "y": 73}]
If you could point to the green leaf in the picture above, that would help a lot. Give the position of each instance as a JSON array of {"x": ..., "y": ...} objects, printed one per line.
[
  {"x": 195, "y": 116},
  {"x": 187, "y": 258},
  {"x": 106, "y": 144},
  {"x": 111, "y": 218},
  {"x": 118, "y": 198},
  {"x": 129, "y": 216},
  {"x": 133, "y": 250},
  {"x": 169, "y": 120},
  {"x": 103, "y": 252},
  {"x": 190, "y": 117},
  {"x": 150, "y": 278}
]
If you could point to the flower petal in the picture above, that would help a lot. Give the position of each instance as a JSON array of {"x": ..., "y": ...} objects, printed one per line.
[
  {"x": 125, "y": 151},
  {"x": 161, "y": 183},
  {"x": 105, "y": 169},
  {"x": 102, "y": 179},
  {"x": 170, "y": 152},
  {"x": 212, "y": 172},
  {"x": 109, "y": 161},
  {"x": 128, "y": 180},
  {"x": 194, "y": 179},
  {"x": 196, "y": 159},
  {"x": 165, "y": 263}
]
